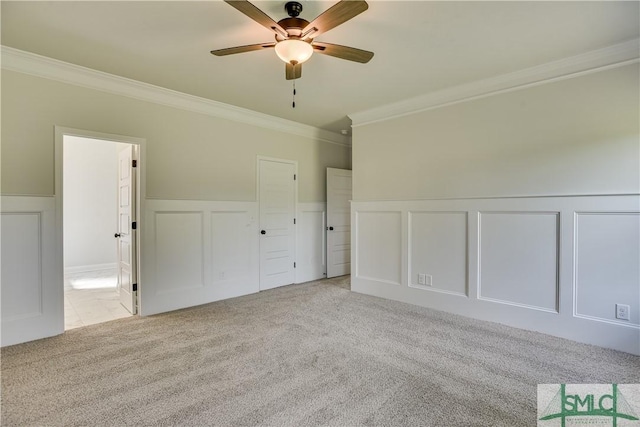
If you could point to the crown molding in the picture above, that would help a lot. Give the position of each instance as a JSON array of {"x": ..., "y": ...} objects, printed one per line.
[
  {"x": 53, "y": 69},
  {"x": 597, "y": 60}
]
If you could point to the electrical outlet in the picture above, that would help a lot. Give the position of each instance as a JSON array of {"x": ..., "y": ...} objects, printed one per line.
[
  {"x": 424, "y": 279},
  {"x": 622, "y": 311}
]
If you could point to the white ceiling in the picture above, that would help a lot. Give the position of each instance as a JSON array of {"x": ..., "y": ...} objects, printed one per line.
[{"x": 420, "y": 47}]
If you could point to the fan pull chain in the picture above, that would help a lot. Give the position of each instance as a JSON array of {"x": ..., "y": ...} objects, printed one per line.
[{"x": 293, "y": 104}]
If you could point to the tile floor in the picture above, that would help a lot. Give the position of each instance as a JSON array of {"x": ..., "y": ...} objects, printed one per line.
[{"x": 90, "y": 298}]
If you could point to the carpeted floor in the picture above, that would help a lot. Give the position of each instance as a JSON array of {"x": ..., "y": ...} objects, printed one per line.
[{"x": 301, "y": 355}]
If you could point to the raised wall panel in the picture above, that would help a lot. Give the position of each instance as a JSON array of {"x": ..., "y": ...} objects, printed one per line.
[
  {"x": 22, "y": 291},
  {"x": 179, "y": 251},
  {"x": 519, "y": 258},
  {"x": 231, "y": 246},
  {"x": 438, "y": 248},
  {"x": 607, "y": 265},
  {"x": 31, "y": 287},
  {"x": 379, "y": 246}
]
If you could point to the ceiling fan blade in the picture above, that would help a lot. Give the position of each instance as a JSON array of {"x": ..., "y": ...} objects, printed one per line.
[
  {"x": 241, "y": 49},
  {"x": 257, "y": 15},
  {"x": 293, "y": 72},
  {"x": 343, "y": 52},
  {"x": 337, "y": 14}
]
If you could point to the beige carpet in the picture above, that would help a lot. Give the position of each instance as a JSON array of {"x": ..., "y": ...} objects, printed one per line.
[{"x": 302, "y": 355}]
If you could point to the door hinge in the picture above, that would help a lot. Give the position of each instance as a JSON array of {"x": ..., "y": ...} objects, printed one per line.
[
  {"x": 134, "y": 163},
  {"x": 294, "y": 265},
  {"x": 294, "y": 220},
  {"x": 134, "y": 287},
  {"x": 134, "y": 225},
  {"x": 294, "y": 176}
]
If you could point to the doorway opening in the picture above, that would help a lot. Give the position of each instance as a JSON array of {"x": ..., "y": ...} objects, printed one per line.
[{"x": 98, "y": 229}]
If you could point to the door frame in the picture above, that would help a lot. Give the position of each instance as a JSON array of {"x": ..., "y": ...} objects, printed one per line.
[
  {"x": 60, "y": 133},
  {"x": 295, "y": 208}
]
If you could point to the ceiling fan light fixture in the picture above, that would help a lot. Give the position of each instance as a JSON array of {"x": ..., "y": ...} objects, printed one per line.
[{"x": 294, "y": 51}]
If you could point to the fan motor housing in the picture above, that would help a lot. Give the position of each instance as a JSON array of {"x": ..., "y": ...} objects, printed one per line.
[
  {"x": 292, "y": 23},
  {"x": 293, "y": 27}
]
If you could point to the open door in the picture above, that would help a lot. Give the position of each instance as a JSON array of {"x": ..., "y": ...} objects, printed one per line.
[
  {"x": 126, "y": 235},
  {"x": 338, "y": 222}
]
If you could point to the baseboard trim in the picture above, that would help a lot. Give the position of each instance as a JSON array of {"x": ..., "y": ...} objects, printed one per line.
[{"x": 89, "y": 268}]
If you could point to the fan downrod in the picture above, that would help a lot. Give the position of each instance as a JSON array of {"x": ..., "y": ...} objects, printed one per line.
[{"x": 293, "y": 8}]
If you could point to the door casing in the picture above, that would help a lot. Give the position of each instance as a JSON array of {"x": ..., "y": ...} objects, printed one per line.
[{"x": 60, "y": 133}]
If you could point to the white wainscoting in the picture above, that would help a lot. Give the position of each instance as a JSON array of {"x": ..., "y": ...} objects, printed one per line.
[
  {"x": 607, "y": 255},
  {"x": 556, "y": 265},
  {"x": 438, "y": 247},
  {"x": 196, "y": 252},
  {"x": 311, "y": 246},
  {"x": 193, "y": 252},
  {"x": 31, "y": 289},
  {"x": 518, "y": 259}
]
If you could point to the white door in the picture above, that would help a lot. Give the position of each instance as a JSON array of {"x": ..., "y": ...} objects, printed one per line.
[
  {"x": 126, "y": 235},
  {"x": 338, "y": 222},
  {"x": 277, "y": 196}
]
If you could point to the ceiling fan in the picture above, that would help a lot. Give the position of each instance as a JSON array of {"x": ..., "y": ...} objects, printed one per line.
[{"x": 295, "y": 37}]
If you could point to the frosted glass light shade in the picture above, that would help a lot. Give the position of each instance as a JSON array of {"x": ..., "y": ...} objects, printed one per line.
[{"x": 293, "y": 50}]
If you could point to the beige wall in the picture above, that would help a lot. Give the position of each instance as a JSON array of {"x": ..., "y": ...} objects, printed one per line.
[
  {"x": 576, "y": 136},
  {"x": 189, "y": 155}
]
